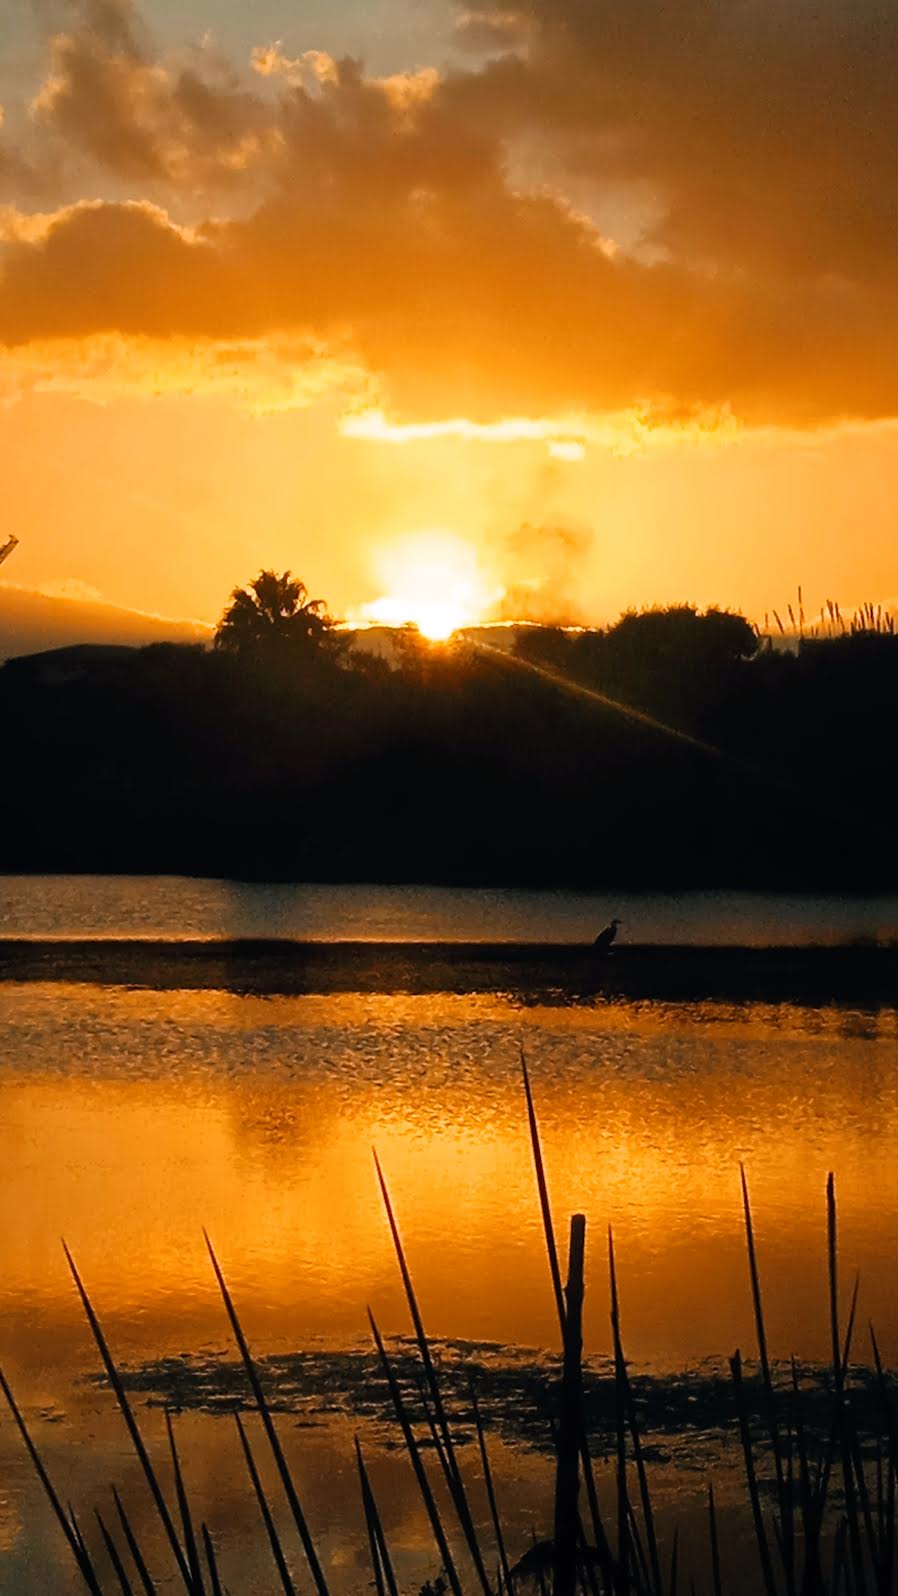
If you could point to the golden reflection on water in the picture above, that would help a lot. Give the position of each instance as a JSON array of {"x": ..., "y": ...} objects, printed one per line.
[{"x": 128, "y": 1119}]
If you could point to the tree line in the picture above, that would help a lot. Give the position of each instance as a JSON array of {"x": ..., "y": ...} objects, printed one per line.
[{"x": 673, "y": 749}]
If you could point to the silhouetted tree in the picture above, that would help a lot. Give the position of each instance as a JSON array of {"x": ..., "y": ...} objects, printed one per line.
[
  {"x": 682, "y": 636},
  {"x": 545, "y": 645},
  {"x": 274, "y": 620},
  {"x": 262, "y": 758}
]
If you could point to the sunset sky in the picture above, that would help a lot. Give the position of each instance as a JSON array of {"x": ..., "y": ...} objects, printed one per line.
[{"x": 556, "y": 307}]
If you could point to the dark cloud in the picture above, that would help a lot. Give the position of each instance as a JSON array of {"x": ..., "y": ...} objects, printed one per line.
[
  {"x": 188, "y": 124},
  {"x": 767, "y": 130}
]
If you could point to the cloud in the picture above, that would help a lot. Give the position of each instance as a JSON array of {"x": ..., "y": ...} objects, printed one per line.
[
  {"x": 477, "y": 303},
  {"x": 766, "y": 130},
  {"x": 544, "y": 567},
  {"x": 312, "y": 67},
  {"x": 564, "y": 440},
  {"x": 487, "y": 29},
  {"x": 262, "y": 374},
  {"x": 71, "y": 587},
  {"x": 387, "y": 226},
  {"x": 180, "y": 123}
]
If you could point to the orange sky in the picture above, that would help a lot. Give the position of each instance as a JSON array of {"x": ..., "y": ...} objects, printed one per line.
[{"x": 606, "y": 296}]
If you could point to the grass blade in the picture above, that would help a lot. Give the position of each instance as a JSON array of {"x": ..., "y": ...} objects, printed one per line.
[
  {"x": 674, "y": 1561},
  {"x": 373, "y": 1548},
  {"x": 623, "y": 1378},
  {"x": 784, "y": 1498},
  {"x": 490, "y": 1491},
  {"x": 193, "y": 1561},
  {"x": 599, "y": 1536},
  {"x": 274, "y": 1541},
  {"x": 137, "y": 1442},
  {"x": 117, "y": 1564},
  {"x": 299, "y": 1517},
  {"x": 542, "y": 1188},
  {"x": 435, "y": 1436},
  {"x": 73, "y": 1520},
  {"x": 839, "y": 1372},
  {"x": 623, "y": 1500},
  {"x": 380, "y": 1553},
  {"x": 810, "y": 1517},
  {"x": 211, "y": 1561},
  {"x": 72, "y": 1535},
  {"x": 447, "y": 1452},
  {"x": 143, "y": 1573},
  {"x": 849, "y": 1332},
  {"x": 750, "y": 1477},
  {"x": 888, "y": 1416},
  {"x": 427, "y": 1496}
]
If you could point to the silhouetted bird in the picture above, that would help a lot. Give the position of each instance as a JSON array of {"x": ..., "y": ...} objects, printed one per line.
[{"x": 605, "y": 938}]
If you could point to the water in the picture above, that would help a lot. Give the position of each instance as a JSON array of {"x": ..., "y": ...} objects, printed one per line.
[
  {"x": 131, "y": 1117},
  {"x": 176, "y": 908}
]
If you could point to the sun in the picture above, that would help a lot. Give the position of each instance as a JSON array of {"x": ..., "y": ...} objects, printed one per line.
[{"x": 432, "y": 580}]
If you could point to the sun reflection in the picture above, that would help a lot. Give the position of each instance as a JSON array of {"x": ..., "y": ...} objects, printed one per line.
[{"x": 433, "y": 581}]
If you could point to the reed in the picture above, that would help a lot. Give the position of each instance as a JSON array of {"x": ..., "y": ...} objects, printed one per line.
[
  {"x": 193, "y": 1560},
  {"x": 414, "y": 1452},
  {"x": 274, "y": 1540},
  {"x": 277, "y": 1451},
  {"x": 567, "y": 1474},
  {"x": 68, "y": 1526},
  {"x": 137, "y": 1556},
  {"x": 212, "y": 1561},
  {"x": 382, "y": 1562},
  {"x": 118, "y": 1566},
  {"x": 445, "y": 1450},
  {"x": 866, "y": 618},
  {"x": 136, "y": 1438}
]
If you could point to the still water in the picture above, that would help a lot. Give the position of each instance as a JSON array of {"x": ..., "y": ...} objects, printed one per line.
[
  {"x": 130, "y": 1118},
  {"x": 175, "y": 908}
]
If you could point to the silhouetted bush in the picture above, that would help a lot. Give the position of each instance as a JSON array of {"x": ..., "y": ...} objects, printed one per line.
[{"x": 307, "y": 760}]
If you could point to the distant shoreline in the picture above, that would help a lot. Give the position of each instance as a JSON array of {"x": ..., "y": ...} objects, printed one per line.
[{"x": 858, "y": 974}]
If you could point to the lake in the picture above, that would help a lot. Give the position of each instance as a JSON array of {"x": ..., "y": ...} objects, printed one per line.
[
  {"x": 133, "y": 1115},
  {"x": 175, "y": 908}
]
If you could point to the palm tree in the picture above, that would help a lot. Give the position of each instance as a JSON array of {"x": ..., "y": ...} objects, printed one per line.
[{"x": 274, "y": 619}]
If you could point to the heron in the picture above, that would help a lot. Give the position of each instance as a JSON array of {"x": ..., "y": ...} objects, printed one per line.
[{"x": 605, "y": 938}]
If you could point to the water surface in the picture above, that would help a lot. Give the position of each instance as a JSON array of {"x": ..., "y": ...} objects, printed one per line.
[
  {"x": 130, "y": 1117},
  {"x": 182, "y": 908}
]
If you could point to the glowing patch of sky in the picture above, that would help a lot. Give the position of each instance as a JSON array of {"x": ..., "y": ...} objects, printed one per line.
[
  {"x": 165, "y": 505},
  {"x": 390, "y": 35}
]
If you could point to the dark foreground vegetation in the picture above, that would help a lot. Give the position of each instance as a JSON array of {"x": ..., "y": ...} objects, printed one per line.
[
  {"x": 820, "y": 1468},
  {"x": 290, "y": 751}
]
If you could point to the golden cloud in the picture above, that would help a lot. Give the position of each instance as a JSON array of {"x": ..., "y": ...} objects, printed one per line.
[
  {"x": 378, "y": 230},
  {"x": 262, "y": 374}
]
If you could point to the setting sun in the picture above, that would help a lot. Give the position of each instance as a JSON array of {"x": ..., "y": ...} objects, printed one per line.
[{"x": 434, "y": 581}]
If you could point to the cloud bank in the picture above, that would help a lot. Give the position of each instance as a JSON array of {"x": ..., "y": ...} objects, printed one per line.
[{"x": 443, "y": 243}]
